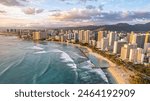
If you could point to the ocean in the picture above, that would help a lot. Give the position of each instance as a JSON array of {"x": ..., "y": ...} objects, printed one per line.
[{"x": 28, "y": 62}]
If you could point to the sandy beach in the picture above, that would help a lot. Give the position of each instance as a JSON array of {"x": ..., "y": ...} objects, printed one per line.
[{"x": 120, "y": 74}]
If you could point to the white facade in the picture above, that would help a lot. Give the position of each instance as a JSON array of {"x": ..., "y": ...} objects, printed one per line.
[
  {"x": 146, "y": 46},
  {"x": 117, "y": 46},
  {"x": 125, "y": 51},
  {"x": 133, "y": 55},
  {"x": 81, "y": 32},
  {"x": 112, "y": 38},
  {"x": 87, "y": 36},
  {"x": 104, "y": 43},
  {"x": 140, "y": 55}
]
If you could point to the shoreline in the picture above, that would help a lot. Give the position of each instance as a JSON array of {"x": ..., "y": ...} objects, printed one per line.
[{"x": 121, "y": 75}]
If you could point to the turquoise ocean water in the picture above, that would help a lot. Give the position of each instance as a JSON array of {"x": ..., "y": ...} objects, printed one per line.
[{"x": 26, "y": 62}]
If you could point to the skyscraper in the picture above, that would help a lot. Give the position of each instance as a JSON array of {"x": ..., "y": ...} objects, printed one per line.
[
  {"x": 131, "y": 37},
  {"x": 147, "y": 37},
  {"x": 140, "y": 40},
  {"x": 81, "y": 32},
  {"x": 125, "y": 51},
  {"x": 104, "y": 44},
  {"x": 140, "y": 55},
  {"x": 118, "y": 45},
  {"x": 112, "y": 38},
  {"x": 133, "y": 55},
  {"x": 146, "y": 46},
  {"x": 100, "y": 35},
  {"x": 87, "y": 36}
]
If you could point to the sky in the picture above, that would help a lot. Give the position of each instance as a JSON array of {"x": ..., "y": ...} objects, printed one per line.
[{"x": 68, "y": 13}]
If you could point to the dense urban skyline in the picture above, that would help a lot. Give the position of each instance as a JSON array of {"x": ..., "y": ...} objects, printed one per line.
[{"x": 57, "y": 13}]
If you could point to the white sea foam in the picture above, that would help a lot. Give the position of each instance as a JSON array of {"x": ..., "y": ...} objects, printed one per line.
[
  {"x": 36, "y": 48},
  {"x": 101, "y": 73},
  {"x": 72, "y": 65},
  {"x": 86, "y": 64},
  {"x": 41, "y": 52},
  {"x": 65, "y": 58}
]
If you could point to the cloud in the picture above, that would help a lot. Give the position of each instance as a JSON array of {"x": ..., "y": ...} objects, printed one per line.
[
  {"x": 90, "y": 7},
  {"x": 117, "y": 17},
  {"x": 29, "y": 11},
  {"x": 39, "y": 11},
  {"x": 81, "y": 1},
  {"x": 87, "y": 0},
  {"x": 56, "y": 10},
  {"x": 19, "y": 22},
  {"x": 13, "y": 2},
  {"x": 2, "y": 11},
  {"x": 125, "y": 16},
  {"x": 75, "y": 14},
  {"x": 32, "y": 11},
  {"x": 101, "y": 7},
  {"x": 97, "y": 16}
]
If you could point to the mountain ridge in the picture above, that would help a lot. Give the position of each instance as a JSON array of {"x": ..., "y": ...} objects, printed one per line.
[{"x": 115, "y": 27}]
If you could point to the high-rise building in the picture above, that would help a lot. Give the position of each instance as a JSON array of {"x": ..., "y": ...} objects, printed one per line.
[
  {"x": 131, "y": 37},
  {"x": 118, "y": 45},
  {"x": 86, "y": 36},
  {"x": 148, "y": 54},
  {"x": 147, "y": 37},
  {"x": 112, "y": 38},
  {"x": 95, "y": 35},
  {"x": 65, "y": 37},
  {"x": 81, "y": 34},
  {"x": 133, "y": 55},
  {"x": 140, "y": 40},
  {"x": 76, "y": 36},
  {"x": 62, "y": 38},
  {"x": 104, "y": 44},
  {"x": 146, "y": 46},
  {"x": 134, "y": 38},
  {"x": 100, "y": 35},
  {"x": 39, "y": 35},
  {"x": 125, "y": 51},
  {"x": 69, "y": 36},
  {"x": 140, "y": 55}
]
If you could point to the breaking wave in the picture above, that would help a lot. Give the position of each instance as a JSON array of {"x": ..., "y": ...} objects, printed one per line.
[{"x": 36, "y": 48}]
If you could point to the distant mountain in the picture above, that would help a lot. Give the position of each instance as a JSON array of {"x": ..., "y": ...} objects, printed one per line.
[
  {"x": 116, "y": 27},
  {"x": 126, "y": 27}
]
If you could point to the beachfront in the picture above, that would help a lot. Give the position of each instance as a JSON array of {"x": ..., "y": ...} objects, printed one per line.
[{"x": 120, "y": 74}]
